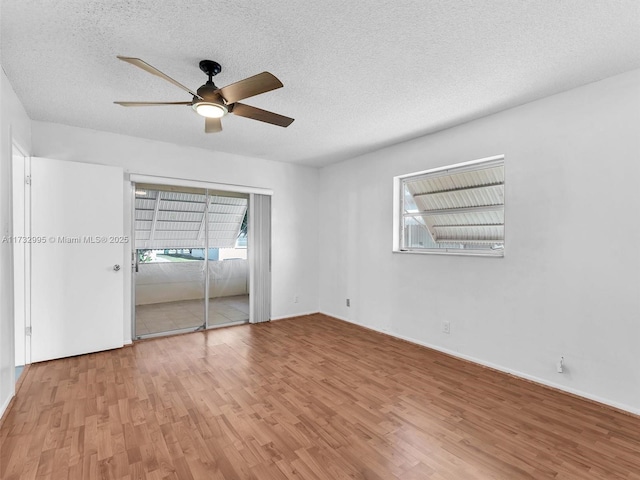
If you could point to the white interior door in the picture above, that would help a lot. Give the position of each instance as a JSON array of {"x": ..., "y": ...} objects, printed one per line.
[{"x": 77, "y": 239}]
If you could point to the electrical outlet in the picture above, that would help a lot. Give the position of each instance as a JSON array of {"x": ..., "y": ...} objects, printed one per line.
[
  {"x": 560, "y": 365},
  {"x": 446, "y": 327},
  {"x": 348, "y": 302},
  {"x": 295, "y": 299}
]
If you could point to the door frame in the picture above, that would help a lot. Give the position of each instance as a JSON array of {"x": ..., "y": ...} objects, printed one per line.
[
  {"x": 183, "y": 182},
  {"x": 20, "y": 331}
]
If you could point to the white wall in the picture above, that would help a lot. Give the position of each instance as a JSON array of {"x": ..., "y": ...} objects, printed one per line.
[
  {"x": 295, "y": 207},
  {"x": 570, "y": 280},
  {"x": 14, "y": 126}
]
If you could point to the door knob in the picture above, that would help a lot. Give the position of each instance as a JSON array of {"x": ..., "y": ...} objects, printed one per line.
[{"x": 116, "y": 267}]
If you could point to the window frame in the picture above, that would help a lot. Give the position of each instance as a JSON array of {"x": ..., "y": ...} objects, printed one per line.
[{"x": 399, "y": 208}]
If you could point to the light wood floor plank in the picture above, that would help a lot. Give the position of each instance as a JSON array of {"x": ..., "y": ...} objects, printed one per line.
[{"x": 310, "y": 398}]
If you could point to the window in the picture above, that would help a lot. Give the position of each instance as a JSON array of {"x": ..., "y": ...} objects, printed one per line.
[{"x": 458, "y": 209}]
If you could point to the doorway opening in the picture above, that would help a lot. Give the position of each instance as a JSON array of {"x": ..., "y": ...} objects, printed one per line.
[{"x": 190, "y": 259}]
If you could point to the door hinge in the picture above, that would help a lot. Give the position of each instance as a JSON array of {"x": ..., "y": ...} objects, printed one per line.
[
  {"x": 27, "y": 331},
  {"x": 27, "y": 180}
]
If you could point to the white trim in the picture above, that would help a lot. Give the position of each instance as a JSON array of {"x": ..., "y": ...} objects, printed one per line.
[
  {"x": 354, "y": 322},
  {"x": 515, "y": 373},
  {"x": 132, "y": 262},
  {"x": 20, "y": 188},
  {"x": 168, "y": 333},
  {"x": 184, "y": 182},
  {"x": 453, "y": 251},
  {"x": 27, "y": 260},
  {"x": 287, "y": 317},
  {"x": 487, "y": 162},
  {"x": 224, "y": 325},
  {"x": 3, "y": 408},
  {"x": 397, "y": 216}
]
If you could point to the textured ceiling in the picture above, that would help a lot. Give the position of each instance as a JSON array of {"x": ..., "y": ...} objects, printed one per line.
[{"x": 357, "y": 75}]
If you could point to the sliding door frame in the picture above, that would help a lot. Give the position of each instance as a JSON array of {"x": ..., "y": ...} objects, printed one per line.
[{"x": 181, "y": 182}]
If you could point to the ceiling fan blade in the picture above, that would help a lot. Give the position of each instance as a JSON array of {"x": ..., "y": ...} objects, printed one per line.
[
  {"x": 254, "y": 113},
  {"x": 145, "y": 66},
  {"x": 212, "y": 125},
  {"x": 150, "y": 104},
  {"x": 261, "y": 83}
]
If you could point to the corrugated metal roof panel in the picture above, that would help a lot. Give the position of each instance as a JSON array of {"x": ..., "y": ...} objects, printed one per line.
[
  {"x": 437, "y": 195},
  {"x": 468, "y": 233},
  {"x": 159, "y": 242},
  {"x": 177, "y": 206},
  {"x": 180, "y": 216},
  {"x": 490, "y": 195},
  {"x": 144, "y": 214},
  {"x": 229, "y": 200},
  {"x": 220, "y": 227},
  {"x": 145, "y": 204},
  {"x": 168, "y": 244},
  {"x": 450, "y": 181},
  {"x": 477, "y": 218},
  {"x": 183, "y": 197},
  {"x": 177, "y": 226},
  {"x": 466, "y": 226},
  {"x": 143, "y": 225},
  {"x": 178, "y": 223},
  {"x": 168, "y": 235},
  {"x": 235, "y": 209},
  {"x": 225, "y": 218}
]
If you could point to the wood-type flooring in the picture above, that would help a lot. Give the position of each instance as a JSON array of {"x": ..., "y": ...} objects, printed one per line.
[{"x": 306, "y": 398}]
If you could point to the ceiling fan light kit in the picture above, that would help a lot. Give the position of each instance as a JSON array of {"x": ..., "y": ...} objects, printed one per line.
[
  {"x": 210, "y": 110},
  {"x": 212, "y": 102}
]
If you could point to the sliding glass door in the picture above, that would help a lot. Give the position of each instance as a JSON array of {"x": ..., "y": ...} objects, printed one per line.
[
  {"x": 229, "y": 268},
  {"x": 190, "y": 263},
  {"x": 169, "y": 259}
]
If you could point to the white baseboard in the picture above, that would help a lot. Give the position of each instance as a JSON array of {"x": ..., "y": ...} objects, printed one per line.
[
  {"x": 4, "y": 406},
  {"x": 515, "y": 373},
  {"x": 286, "y": 317}
]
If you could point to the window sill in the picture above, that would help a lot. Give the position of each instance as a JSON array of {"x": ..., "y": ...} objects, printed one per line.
[{"x": 465, "y": 253}]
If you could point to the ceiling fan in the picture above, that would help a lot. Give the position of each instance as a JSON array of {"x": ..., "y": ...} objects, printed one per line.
[{"x": 212, "y": 102}]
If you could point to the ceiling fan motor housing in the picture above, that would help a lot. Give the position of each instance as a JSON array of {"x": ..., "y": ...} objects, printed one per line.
[
  {"x": 210, "y": 67},
  {"x": 208, "y": 92}
]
